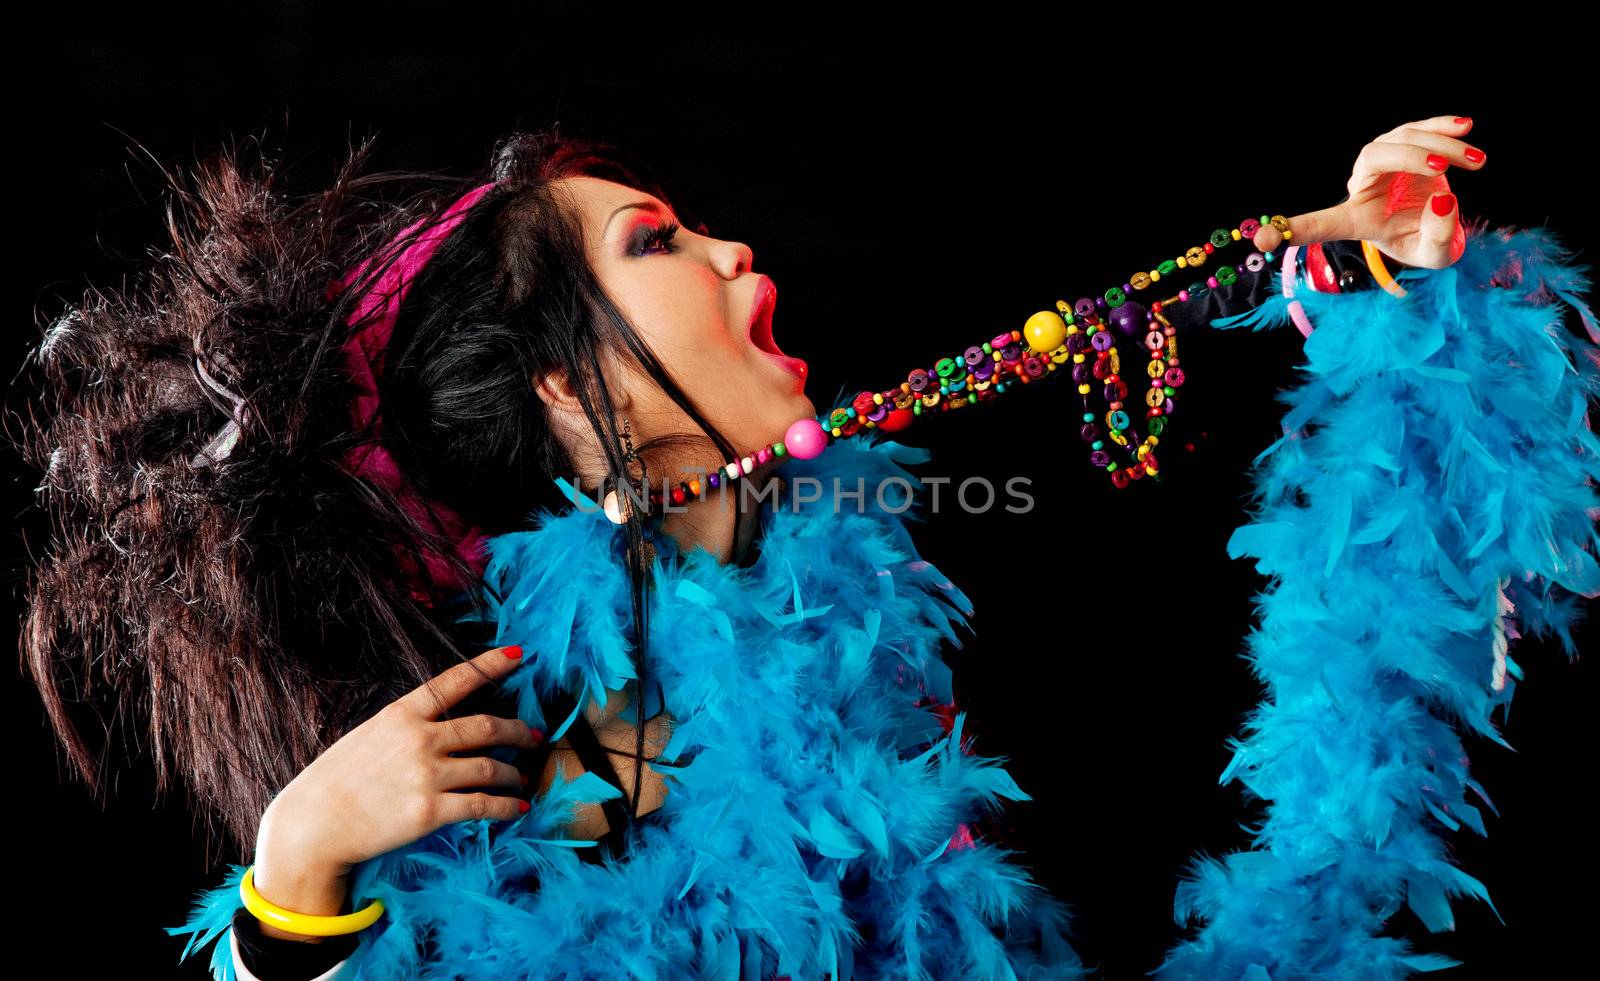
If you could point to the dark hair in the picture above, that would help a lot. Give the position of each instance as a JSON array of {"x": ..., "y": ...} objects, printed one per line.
[{"x": 246, "y": 614}]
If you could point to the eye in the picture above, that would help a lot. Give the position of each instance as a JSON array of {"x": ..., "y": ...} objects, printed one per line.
[{"x": 659, "y": 237}]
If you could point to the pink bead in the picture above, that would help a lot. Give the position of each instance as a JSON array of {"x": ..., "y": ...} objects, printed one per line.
[
  {"x": 805, "y": 439},
  {"x": 763, "y": 455},
  {"x": 1183, "y": 296},
  {"x": 1211, "y": 281}
]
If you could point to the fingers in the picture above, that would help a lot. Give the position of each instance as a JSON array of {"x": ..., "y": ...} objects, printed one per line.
[
  {"x": 478, "y": 771},
  {"x": 1456, "y": 152},
  {"x": 477, "y": 732},
  {"x": 1325, "y": 225},
  {"x": 450, "y": 808},
  {"x": 442, "y": 692},
  {"x": 1449, "y": 125},
  {"x": 1440, "y": 237}
]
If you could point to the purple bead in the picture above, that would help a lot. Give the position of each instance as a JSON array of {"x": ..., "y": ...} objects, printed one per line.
[
  {"x": 1130, "y": 318},
  {"x": 1103, "y": 341},
  {"x": 1077, "y": 343},
  {"x": 1083, "y": 308},
  {"x": 714, "y": 479},
  {"x": 1100, "y": 458},
  {"x": 1082, "y": 373},
  {"x": 1089, "y": 432}
]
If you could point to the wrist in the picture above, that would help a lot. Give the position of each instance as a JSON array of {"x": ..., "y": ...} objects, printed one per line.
[{"x": 301, "y": 888}]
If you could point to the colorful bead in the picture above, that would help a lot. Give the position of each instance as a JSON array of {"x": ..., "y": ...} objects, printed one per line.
[
  {"x": 1048, "y": 340},
  {"x": 1045, "y": 331},
  {"x": 805, "y": 439}
]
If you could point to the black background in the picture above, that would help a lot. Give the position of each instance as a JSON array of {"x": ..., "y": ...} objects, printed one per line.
[{"x": 909, "y": 188}]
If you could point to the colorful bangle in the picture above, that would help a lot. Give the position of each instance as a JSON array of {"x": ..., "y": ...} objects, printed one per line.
[
  {"x": 1291, "y": 272},
  {"x": 304, "y": 923},
  {"x": 1380, "y": 272}
]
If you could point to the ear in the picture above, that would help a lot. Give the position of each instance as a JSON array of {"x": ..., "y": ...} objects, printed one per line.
[{"x": 555, "y": 389}]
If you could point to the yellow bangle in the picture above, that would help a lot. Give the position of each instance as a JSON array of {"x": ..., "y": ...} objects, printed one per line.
[
  {"x": 305, "y": 923},
  {"x": 1380, "y": 272}
]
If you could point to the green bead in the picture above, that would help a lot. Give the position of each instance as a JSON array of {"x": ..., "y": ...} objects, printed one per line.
[
  {"x": 1115, "y": 297},
  {"x": 778, "y": 449},
  {"x": 1157, "y": 425},
  {"x": 1170, "y": 392},
  {"x": 972, "y": 399},
  {"x": 945, "y": 368},
  {"x": 1168, "y": 268},
  {"x": 916, "y": 407},
  {"x": 1221, "y": 237}
]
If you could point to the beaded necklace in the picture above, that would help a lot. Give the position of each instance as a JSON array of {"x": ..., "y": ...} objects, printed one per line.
[{"x": 1047, "y": 341}]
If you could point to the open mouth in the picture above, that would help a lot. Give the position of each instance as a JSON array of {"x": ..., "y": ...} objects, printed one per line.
[{"x": 760, "y": 331}]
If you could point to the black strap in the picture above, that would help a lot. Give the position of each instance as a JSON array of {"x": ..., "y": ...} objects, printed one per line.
[{"x": 594, "y": 759}]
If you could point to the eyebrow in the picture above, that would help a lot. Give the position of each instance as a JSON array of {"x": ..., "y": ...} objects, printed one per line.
[{"x": 645, "y": 205}]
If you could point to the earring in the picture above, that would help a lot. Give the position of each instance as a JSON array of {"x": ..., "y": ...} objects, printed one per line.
[{"x": 613, "y": 501}]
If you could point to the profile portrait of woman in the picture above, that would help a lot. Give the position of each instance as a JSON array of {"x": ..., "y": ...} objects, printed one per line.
[{"x": 440, "y": 536}]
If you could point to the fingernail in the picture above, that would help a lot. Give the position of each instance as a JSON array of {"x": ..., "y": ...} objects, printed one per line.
[
  {"x": 1463, "y": 119},
  {"x": 524, "y": 806},
  {"x": 538, "y": 735},
  {"x": 1438, "y": 161},
  {"x": 513, "y": 652},
  {"x": 1474, "y": 154},
  {"x": 1443, "y": 203}
]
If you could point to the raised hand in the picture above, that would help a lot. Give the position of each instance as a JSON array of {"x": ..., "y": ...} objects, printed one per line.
[{"x": 1399, "y": 198}]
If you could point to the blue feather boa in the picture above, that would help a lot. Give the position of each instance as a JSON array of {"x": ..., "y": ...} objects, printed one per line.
[
  {"x": 1432, "y": 490},
  {"x": 1433, "y": 480},
  {"x": 813, "y": 820}
]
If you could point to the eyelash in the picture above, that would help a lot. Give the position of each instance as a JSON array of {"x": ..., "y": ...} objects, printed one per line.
[{"x": 660, "y": 236}]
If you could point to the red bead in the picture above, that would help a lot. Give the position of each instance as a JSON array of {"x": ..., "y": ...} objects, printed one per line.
[
  {"x": 1210, "y": 248},
  {"x": 896, "y": 420},
  {"x": 677, "y": 495}
]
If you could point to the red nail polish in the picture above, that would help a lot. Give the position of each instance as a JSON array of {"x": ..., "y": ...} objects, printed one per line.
[
  {"x": 1463, "y": 119},
  {"x": 1438, "y": 161},
  {"x": 513, "y": 652},
  {"x": 524, "y": 806},
  {"x": 1443, "y": 203},
  {"x": 1474, "y": 154},
  {"x": 538, "y": 735}
]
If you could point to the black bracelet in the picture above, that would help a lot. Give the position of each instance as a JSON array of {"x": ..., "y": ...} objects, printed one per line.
[{"x": 282, "y": 959}]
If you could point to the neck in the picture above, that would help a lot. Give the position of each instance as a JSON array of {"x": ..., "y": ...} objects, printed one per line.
[{"x": 709, "y": 524}]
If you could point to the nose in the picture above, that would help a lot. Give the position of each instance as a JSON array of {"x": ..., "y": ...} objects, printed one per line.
[{"x": 732, "y": 259}]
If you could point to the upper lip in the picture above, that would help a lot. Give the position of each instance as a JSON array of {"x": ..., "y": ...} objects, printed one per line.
[{"x": 766, "y": 299}]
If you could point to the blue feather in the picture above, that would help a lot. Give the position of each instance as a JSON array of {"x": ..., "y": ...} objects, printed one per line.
[{"x": 809, "y": 793}]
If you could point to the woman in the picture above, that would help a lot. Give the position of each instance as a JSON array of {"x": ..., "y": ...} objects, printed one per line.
[{"x": 283, "y": 583}]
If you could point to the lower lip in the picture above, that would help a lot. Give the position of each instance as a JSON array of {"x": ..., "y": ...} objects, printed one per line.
[{"x": 793, "y": 366}]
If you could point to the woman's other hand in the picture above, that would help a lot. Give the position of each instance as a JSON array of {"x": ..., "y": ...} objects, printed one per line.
[
  {"x": 388, "y": 782},
  {"x": 1399, "y": 198}
]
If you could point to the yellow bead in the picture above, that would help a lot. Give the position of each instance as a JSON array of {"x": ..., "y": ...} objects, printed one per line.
[
  {"x": 1182, "y": 264},
  {"x": 1078, "y": 358},
  {"x": 1196, "y": 256},
  {"x": 1045, "y": 331},
  {"x": 1155, "y": 275},
  {"x": 877, "y": 398},
  {"x": 1083, "y": 389},
  {"x": 1237, "y": 235}
]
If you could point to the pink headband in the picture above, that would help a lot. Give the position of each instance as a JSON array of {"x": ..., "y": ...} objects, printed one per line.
[{"x": 364, "y": 355}]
